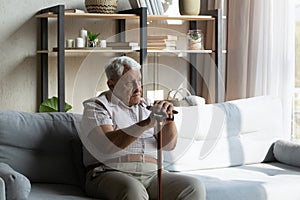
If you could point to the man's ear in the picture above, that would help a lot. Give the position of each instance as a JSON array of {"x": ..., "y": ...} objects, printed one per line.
[{"x": 110, "y": 84}]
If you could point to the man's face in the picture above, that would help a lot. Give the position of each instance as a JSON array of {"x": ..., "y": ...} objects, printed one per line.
[{"x": 129, "y": 88}]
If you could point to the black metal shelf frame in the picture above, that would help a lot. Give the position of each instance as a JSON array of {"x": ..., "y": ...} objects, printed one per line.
[
  {"x": 59, "y": 10},
  {"x": 217, "y": 14},
  {"x": 142, "y": 13}
]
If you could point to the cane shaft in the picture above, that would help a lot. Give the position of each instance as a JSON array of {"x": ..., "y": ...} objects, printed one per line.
[{"x": 159, "y": 159}]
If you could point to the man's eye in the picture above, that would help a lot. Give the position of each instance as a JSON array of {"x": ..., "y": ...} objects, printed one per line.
[{"x": 129, "y": 83}]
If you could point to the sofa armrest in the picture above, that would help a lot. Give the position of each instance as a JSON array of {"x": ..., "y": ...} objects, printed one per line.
[
  {"x": 2, "y": 189},
  {"x": 287, "y": 152},
  {"x": 16, "y": 185}
]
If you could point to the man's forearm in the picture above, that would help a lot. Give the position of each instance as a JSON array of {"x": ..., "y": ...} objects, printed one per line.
[{"x": 124, "y": 137}]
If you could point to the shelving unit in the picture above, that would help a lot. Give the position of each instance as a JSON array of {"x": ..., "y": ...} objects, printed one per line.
[{"x": 58, "y": 12}]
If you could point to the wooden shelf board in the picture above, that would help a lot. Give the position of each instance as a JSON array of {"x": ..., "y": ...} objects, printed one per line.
[
  {"x": 181, "y": 17},
  {"x": 180, "y": 51},
  {"x": 43, "y": 51},
  {"x": 90, "y": 15},
  {"x": 90, "y": 51},
  {"x": 125, "y": 51},
  {"x": 129, "y": 16}
]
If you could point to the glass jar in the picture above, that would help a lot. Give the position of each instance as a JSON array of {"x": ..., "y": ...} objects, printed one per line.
[{"x": 196, "y": 40}]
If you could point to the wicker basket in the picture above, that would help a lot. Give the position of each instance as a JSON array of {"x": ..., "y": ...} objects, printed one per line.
[{"x": 101, "y": 6}]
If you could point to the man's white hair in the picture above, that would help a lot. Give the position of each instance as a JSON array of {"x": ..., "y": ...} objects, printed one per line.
[{"x": 115, "y": 67}]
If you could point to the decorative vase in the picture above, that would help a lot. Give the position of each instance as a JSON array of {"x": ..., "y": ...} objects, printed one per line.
[
  {"x": 92, "y": 43},
  {"x": 189, "y": 7},
  {"x": 101, "y": 6}
]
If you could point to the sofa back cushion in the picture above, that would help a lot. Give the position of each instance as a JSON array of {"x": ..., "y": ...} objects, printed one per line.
[
  {"x": 44, "y": 147},
  {"x": 225, "y": 134}
]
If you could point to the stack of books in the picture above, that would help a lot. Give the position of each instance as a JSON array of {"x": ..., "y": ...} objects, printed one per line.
[
  {"x": 123, "y": 45},
  {"x": 162, "y": 42},
  {"x": 74, "y": 10},
  {"x": 154, "y": 7}
]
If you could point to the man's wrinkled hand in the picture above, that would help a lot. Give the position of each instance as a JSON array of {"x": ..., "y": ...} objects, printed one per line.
[{"x": 163, "y": 110}]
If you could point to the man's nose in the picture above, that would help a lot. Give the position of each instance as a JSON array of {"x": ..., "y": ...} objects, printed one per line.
[{"x": 136, "y": 85}]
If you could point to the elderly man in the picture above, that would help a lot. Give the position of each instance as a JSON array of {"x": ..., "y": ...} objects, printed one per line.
[{"x": 121, "y": 129}]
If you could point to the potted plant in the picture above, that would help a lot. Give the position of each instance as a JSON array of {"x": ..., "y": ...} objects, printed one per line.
[
  {"x": 51, "y": 105},
  {"x": 93, "y": 38}
]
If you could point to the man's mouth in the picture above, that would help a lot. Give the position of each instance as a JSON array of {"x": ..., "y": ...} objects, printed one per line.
[{"x": 136, "y": 94}]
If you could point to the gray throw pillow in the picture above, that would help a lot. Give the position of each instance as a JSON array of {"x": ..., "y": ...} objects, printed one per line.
[
  {"x": 287, "y": 152},
  {"x": 17, "y": 186}
]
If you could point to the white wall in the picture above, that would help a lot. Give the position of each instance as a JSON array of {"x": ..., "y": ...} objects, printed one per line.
[{"x": 20, "y": 69}]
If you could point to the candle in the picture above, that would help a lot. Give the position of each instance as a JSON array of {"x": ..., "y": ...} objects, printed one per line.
[
  {"x": 79, "y": 42},
  {"x": 83, "y": 34},
  {"x": 69, "y": 43},
  {"x": 103, "y": 43}
]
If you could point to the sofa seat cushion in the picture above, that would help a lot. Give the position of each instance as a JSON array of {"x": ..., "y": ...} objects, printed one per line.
[
  {"x": 56, "y": 192},
  {"x": 254, "y": 181}
]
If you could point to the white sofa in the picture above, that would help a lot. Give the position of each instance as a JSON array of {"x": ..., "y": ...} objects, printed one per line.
[{"x": 238, "y": 149}]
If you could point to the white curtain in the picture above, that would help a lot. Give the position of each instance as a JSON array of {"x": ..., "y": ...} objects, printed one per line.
[{"x": 261, "y": 49}]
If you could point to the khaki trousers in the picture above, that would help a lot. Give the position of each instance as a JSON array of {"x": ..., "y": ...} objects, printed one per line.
[{"x": 138, "y": 181}]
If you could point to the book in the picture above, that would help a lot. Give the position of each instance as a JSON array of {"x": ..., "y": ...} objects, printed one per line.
[
  {"x": 161, "y": 41},
  {"x": 134, "y": 4},
  {"x": 122, "y": 44},
  {"x": 160, "y": 7},
  {"x": 74, "y": 10},
  {"x": 162, "y": 37},
  {"x": 161, "y": 44},
  {"x": 144, "y": 5},
  {"x": 152, "y": 5},
  {"x": 161, "y": 48},
  {"x": 125, "y": 48},
  {"x": 149, "y": 9},
  {"x": 156, "y": 7}
]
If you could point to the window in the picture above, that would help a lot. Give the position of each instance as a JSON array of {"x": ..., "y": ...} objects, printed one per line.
[{"x": 296, "y": 123}]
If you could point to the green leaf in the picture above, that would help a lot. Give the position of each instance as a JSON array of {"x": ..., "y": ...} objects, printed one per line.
[
  {"x": 51, "y": 105},
  {"x": 93, "y": 36}
]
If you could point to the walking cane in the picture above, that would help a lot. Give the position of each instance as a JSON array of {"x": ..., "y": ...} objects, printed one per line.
[{"x": 159, "y": 118}]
